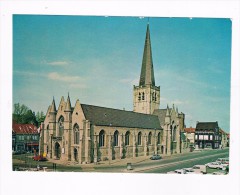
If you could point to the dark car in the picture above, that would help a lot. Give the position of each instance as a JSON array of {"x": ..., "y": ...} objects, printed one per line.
[
  {"x": 156, "y": 157},
  {"x": 18, "y": 152}
]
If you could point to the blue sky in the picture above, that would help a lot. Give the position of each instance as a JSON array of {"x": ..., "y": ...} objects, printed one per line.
[{"x": 98, "y": 60}]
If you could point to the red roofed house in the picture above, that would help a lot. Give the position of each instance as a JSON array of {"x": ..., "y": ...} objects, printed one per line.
[
  {"x": 25, "y": 137},
  {"x": 190, "y": 134}
]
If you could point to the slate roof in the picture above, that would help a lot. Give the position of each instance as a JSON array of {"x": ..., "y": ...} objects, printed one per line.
[
  {"x": 209, "y": 126},
  {"x": 24, "y": 129},
  {"x": 161, "y": 113},
  {"x": 102, "y": 116}
]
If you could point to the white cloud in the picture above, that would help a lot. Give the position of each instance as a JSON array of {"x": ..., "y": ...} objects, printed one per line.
[
  {"x": 27, "y": 73},
  {"x": 58, "y": 63},
  {"x": 65, "y": 78}
]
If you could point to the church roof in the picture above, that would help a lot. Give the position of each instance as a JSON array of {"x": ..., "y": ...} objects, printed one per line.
[
  {"x": 161, "y": 113},
  {"x": 119, "y": 118},
  {"x": 147, "y": 73}
]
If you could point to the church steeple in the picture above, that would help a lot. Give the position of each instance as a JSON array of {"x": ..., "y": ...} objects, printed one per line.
[
  {"x": 146, "y": 96},
  {"x": 68, "y": 105},
  {"x": 53, "y": 107},
  {"x": 147, "y": 73}
]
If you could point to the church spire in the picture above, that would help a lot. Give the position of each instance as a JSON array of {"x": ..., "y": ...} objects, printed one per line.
[
  {"x": 68, "y": 106},
  {"x": 147, "y": 73},
  {"x": 53, "y": 106}
]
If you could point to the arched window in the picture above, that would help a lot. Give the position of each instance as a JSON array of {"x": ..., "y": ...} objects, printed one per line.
[
  {"x": 143, "y": 96},
  {"x": 174, "y": 134},
  {"x": 76, "y": 134},
  {"x": 47, "y": 134},
  {"x": 139, "y": 96},
  {"x": 61, "y": 126},
  {"x": 150, "y": 138},
  {"x": 139, "y": 138},
  {"x": 127, "y": 135},
  {"x": 115, "y": 137},
  {"x": 101, "y": 138},
  {"x": 158, "y": 138},
  {"x": 153, "y": 96}
]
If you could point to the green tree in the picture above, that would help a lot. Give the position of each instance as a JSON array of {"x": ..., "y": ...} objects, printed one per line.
[
  {"x": 40, "y": 117},
  {"x": 23, "y": 115}
]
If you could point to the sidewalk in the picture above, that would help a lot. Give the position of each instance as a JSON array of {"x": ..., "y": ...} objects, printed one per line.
[{"x": 118, "y": 162}]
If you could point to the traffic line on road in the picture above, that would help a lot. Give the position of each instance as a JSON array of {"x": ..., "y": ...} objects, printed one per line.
[{"x": 175, "y": 163}]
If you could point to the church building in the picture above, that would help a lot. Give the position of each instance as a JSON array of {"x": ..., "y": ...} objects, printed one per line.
[{"x": 87, "y": 133}]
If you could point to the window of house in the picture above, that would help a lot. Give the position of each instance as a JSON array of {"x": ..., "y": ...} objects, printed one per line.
[
  {"x": 139, "y": 138},
  {"x": 115, "y": 138},
  {"x": 101, "y": 138},
  {"x": 76, "y": 134},
  {"x": 127, "y": 138}
]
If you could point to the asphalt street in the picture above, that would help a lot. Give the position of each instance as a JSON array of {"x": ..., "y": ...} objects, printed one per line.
[{"x": 168, "y": 163}]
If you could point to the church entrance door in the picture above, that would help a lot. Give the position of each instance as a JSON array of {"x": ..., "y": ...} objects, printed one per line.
[
  {"x": 75, "y": 154},
  {"x": 162, "y": 149},
  {"x": 57, "y": 150}
]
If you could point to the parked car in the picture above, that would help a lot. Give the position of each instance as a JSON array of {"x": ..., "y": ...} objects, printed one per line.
[
  {"x": 189, "y": 170},
  {"x": 156, "y": 157},
  {"x": 19, "y": 152},
  {"x": 177, "y": 171},
  {"x": 39, "y": 158},
  {"x": 214, "y": 165},
  {"x": 223, "y": 160},
  {"x": 219, "y": 173},
  {"x": 199, "y": 169}
]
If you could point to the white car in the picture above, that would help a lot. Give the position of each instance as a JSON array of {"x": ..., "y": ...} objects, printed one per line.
[
  {"x": 219, "y": 173},
  {"x": 189, "y": 170},
  {"x": 177, "y": 171},
  {"x": 200, "y": 169},
  {"x": 214, "y": 165}
]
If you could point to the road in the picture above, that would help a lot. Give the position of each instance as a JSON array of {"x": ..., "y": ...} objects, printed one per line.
[
  {"x": 185, "y": 162},
  {"x": 146, "y": 166}
]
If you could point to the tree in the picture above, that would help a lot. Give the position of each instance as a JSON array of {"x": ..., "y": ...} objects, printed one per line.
[
  {"x": 40, "y": 117},
  {"x": 23, "y": 115}
]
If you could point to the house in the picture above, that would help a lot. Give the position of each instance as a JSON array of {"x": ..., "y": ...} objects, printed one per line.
[
  {"x": 190, "y": 134},
  {"x": 207, "y": 135},
  {"x": 224, "y": 138},
  {"x": 25, "y": 137}
]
